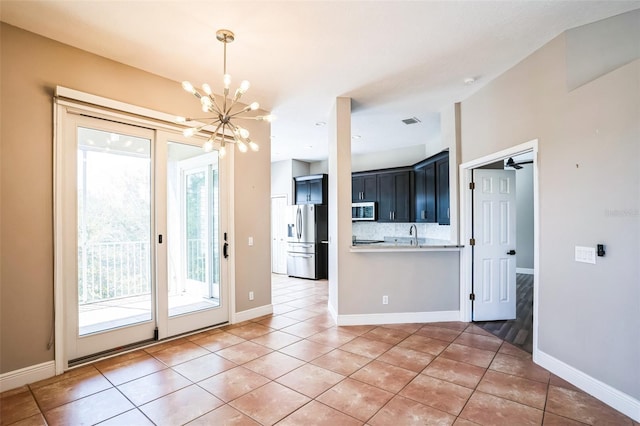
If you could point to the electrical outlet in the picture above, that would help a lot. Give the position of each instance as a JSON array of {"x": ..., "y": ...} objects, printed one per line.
[
  {"x": 385, "y": 300},
  {"x": 250, "y": 295}
]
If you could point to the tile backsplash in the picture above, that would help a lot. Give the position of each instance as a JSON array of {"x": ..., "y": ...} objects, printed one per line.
[{"x": 378, "y": 231}]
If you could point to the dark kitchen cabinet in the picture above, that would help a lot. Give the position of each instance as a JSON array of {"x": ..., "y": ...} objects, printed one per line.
[
  {"x": 395, "y": 191},
  {"x": 432, "y": 189},
  {"x": 442, "y": 191},
  {"x": 425, "y": 187},
  {"x": 364, "y": 188},
  {"x": 311, "y": 189}
]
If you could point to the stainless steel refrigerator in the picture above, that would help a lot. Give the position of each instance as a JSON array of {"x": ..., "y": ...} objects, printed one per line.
[{"x": 307, "y": 234}]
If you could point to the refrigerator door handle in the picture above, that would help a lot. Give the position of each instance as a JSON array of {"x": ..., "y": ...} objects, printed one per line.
[{"x": 299, "y": 223}]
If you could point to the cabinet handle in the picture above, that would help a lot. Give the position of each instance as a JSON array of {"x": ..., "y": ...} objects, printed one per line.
[
  {"x": 390, "y": 216},
  {"x": 447, "y": 212},
  {"x": 422, "y": 214}
]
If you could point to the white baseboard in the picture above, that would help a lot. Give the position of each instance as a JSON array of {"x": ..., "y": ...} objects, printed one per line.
[
  {"x": 250, "y": 314},
  {"x": 622, "y": 402},
  {"x": 398, "y": 318},
  {"x": 24, "y": 376},
  {"x": 528, "y": 271}
]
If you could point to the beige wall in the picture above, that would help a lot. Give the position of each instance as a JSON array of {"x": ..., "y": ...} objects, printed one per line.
[
  {"x": 31, "y": 67},
  {"x": 589, "y": 177}
]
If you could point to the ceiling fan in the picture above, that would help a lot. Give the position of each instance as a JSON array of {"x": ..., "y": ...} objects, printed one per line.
[{"x": 517, "y": 166}]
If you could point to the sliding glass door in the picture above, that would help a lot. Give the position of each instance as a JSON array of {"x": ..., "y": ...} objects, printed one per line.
[
  {"x": 190, "y": 188},
  {"x": 142, "y": 217}
]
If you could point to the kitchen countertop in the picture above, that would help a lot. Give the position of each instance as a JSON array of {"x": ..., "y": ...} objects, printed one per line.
[{"x": 403, "y": 245}]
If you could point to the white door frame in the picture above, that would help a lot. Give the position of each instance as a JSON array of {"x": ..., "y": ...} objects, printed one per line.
[
  {"x": 101, "y": 107},
  {"x": 282, "y": 219},
  {"x": 465, "y": 229}
]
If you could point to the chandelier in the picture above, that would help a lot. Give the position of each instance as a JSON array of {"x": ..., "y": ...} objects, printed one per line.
[{"x": 224, "y": 111}]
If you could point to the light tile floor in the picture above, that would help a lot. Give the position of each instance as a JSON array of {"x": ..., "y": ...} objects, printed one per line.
[{"x": 297, "y": 368}]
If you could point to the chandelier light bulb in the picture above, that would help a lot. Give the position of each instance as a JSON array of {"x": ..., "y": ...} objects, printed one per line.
[
  {"x": 207, "y": 89},
  {"x": 208, "y": 146},
  {"x": 244, "y": 86},
  {"x": 227, "y": 81},
  {"x": 188, "y": 87},
  {"x": 244, "y": 133},
  {"x": 254, "y": 146},
  {"x": 269, "y": 118},
  {"x": 222, "y": 152},
  {"x": 181, "y": 119},
  {"x": 254, "y": 106},
  {"x": 242, "y": 147},
  {"x": 189, "y": 132}
]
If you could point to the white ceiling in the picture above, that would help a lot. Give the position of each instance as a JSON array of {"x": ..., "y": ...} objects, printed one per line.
[{"x": 396, "y": 59}]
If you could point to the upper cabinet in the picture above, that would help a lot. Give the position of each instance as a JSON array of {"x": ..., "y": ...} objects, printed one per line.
[
  {"x": 417, "y": 193},
  {"x": 311, "y": 189},
  {"x": 364, "y": 187},
  {"x": 442, "y": 191},
  {"x": 432, "y": 189},
  {"x": 395, "y": 191},
  {"x": 425, "y": 199}
]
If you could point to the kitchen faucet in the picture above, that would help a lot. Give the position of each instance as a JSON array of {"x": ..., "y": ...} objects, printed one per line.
[{"x": 413, "y": 230}]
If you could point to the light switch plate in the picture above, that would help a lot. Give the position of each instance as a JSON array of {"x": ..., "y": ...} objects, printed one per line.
[
  {"x": 250, "y": 241},
  {"x": 586, "y": 254}
]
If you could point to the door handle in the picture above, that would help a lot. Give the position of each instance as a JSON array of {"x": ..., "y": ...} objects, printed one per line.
[
  {"x": 225, "y": 250},
  {"x": 511, "y": 252}
]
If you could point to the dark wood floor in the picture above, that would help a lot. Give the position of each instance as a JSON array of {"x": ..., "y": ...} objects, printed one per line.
[{"x": 519, "y": 331}]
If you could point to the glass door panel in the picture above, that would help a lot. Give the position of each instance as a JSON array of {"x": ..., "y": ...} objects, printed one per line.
[
  {"x": 114, "y": 229},
  {"x": 192, "y": 229}
]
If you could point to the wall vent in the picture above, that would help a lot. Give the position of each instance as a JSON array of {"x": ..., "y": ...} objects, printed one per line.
[{"x": 412, "y": 120}]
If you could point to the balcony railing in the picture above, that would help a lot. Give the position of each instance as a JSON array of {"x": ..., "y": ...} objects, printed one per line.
[
  {"x": 113, "y": 270},
  {"x": 116, "y": 270},
  {"x": 196, "y": 259}
]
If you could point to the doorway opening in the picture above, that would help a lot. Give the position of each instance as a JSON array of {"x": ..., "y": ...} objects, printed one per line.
[
  {"x": 499, "y": 228},
  {"x": 518, "y": 330},
  {"x": 279, "y": 234}
]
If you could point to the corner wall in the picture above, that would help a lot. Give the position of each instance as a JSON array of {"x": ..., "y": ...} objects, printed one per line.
[{"x": 588, "y": 185}]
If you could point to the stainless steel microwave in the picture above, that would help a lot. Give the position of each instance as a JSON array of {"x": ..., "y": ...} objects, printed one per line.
[{"x": 363, "y": 211}]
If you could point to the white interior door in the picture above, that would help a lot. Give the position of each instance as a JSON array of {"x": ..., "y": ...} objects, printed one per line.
[
  {"x": 278, "y": 234},
  {"x": 494, "y": 231}
]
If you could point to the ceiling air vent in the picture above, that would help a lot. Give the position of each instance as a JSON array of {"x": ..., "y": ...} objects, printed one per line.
[{"x": 412, "y": 120}]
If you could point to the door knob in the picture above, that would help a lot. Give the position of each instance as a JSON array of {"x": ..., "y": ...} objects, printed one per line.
[{"x": 511, "y": 252}]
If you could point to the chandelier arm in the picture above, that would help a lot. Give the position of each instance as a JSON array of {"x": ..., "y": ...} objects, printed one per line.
[
  {"x": 201, "y": 118},
  {"x": 243, "y": 110},
  {"x": 215, "y": 132},
  {"x": 227, "y": 111},
  {"x": 235, "y": 130},
  {"x": 215, "y": 104}
]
